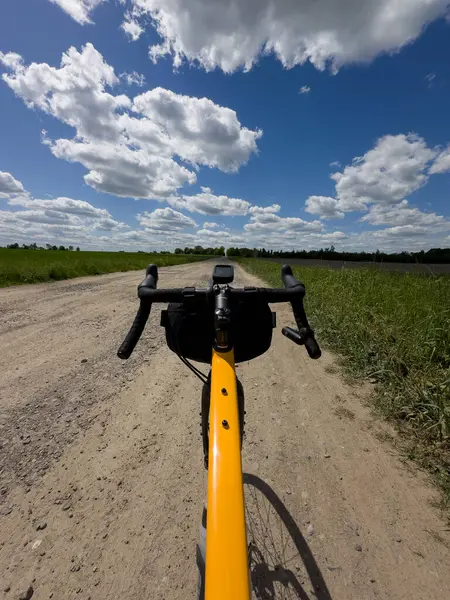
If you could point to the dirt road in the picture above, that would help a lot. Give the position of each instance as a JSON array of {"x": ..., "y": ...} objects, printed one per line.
[{"x": 102, "y": 482}]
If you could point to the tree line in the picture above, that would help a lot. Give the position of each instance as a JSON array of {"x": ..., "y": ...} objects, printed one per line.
[
  {"x": 200, "y": 250},
  {"x": 433, "y": 256},
  {"x": 195, "y": 250},
  {"x": 34, "y": 246}
]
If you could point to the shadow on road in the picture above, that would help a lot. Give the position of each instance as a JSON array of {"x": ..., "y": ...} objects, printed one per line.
[{"x": 282, "y": 565}]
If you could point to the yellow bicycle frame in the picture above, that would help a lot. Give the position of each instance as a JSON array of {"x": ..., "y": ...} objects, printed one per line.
[{"x": 227, "y": 574}]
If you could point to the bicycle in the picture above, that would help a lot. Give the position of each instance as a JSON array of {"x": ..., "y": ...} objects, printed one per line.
[{"x": 217, "y": 326}]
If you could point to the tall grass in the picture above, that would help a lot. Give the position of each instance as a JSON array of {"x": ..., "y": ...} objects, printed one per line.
[
  {"x": 393, "y": 329},
  {"x": 32, "y": 266}
]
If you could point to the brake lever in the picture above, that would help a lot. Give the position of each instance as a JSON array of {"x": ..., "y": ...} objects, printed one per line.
[
  {"x": 298, "y": 337},
  {"x": 304, "y": 337}
]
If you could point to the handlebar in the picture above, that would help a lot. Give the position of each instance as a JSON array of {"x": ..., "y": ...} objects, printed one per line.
[
  {"x": 305, "y": 334},
  {"x": 132, "y": 338},
  {"x": 143, "y": 313},
  {"x": 293, "y": 292}
]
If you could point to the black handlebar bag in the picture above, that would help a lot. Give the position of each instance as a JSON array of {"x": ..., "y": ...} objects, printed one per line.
[{"x": 190, "y": 332}]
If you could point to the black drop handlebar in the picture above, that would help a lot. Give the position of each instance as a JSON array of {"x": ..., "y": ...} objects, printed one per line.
[
  {"x": 293, "y": 292},
  {"x": 142, "y": 315},
  {"x": 304, "y": 335}
]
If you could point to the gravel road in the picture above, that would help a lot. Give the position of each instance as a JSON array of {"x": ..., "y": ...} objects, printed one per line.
[{"x": 101, "y": 475}]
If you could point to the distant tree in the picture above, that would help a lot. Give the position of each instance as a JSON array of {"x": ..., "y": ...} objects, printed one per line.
[{"x": 434, "y": 255}]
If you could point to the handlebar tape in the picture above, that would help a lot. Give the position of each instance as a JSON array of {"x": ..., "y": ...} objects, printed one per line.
[
  {"x": 135, "y": 332},
  {"x": 289, "y": 280},
  {"x": 306, "y": 334},
  {"x": 312, "y": 347},
  {"x": 151, "y": 278},
  {"x": 129, "y": 343}
]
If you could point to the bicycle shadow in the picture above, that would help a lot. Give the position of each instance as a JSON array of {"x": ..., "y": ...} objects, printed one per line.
[{"x": 281, "y": 562}]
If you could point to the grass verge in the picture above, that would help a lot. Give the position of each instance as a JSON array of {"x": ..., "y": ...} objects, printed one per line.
[
  {"x": 394, "y": 330},
  {"x": 35, "y": 266}
]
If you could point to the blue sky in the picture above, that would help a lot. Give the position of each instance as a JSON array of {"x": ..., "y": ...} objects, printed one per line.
[{"x": 177, "y": 128}]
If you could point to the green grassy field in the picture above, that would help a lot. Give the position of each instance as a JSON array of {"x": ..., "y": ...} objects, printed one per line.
[
  {"x": 392, "y": 329},
  {"x": 33, "y": 266}
]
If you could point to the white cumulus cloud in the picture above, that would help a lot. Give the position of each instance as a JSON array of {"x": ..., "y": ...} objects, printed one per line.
[
  {"x": 377, "y": 184},
  {"x": 129, "y": 146},
  {"x": 442, "y": 162},
  {"x": 210, "y": 225},
  {"x": 131, "y": 27},
  {"x": 261, "y": 210},
  {"x": 133, "y": 78},
  {"x": 266, "y": 222},
  {"x": 77, "y": 222},
  {"x": 324, "y": 206},
  {"x": 66, "y": 206},
  {"x": 62, "y": 220},
  {"x": 220, "y": 236},
  {"x": 392, "y": 170},
  {"x": 80, "y": 10},
  {"x": 402, "y": 215},
  {"x": 9, "y": 185},
  {"x": 11, "y": 60},
  {"x": 207, "y": 203},
  {"x": 231, "y": 35},
  {"x": 165, "y": 220},
  {"x": 201, "y": 132},
  {"x": 403, "y": 231}
]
